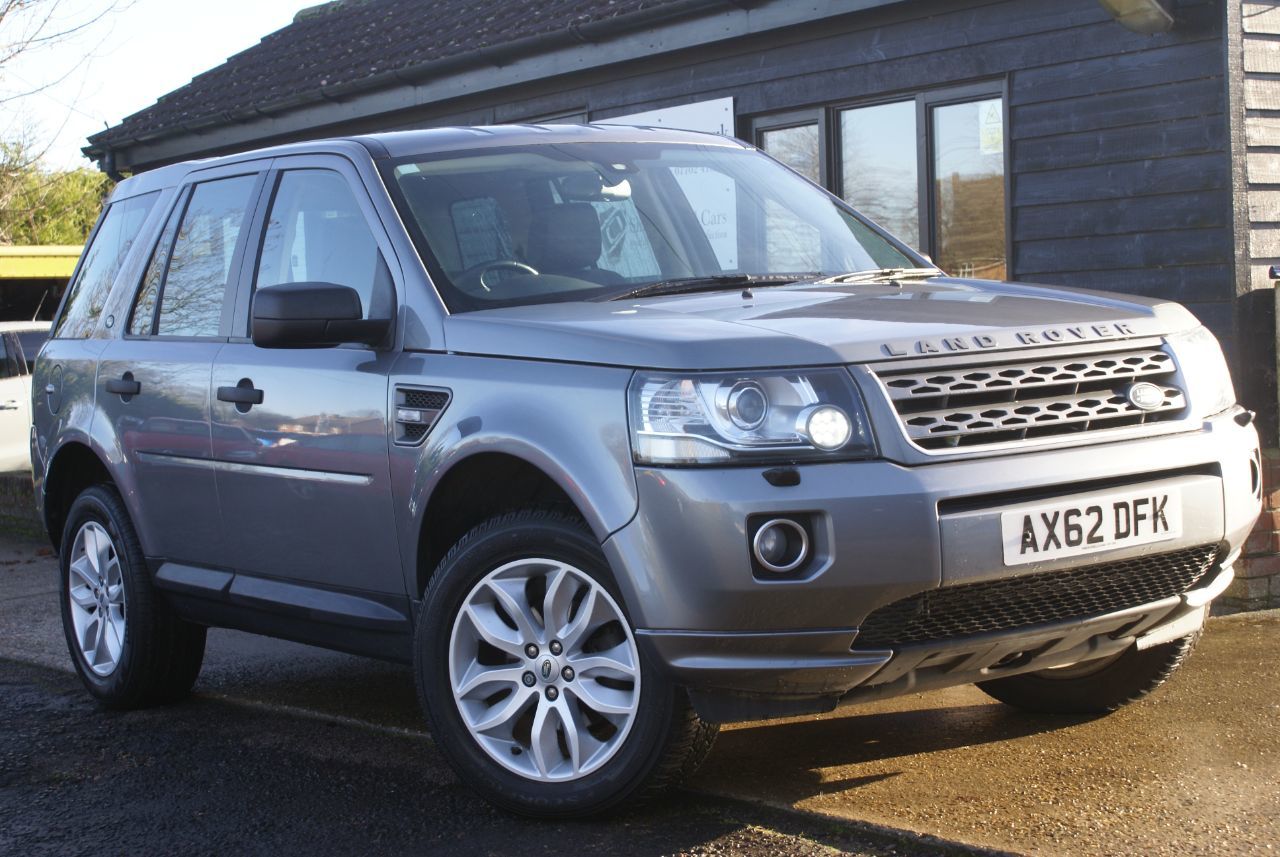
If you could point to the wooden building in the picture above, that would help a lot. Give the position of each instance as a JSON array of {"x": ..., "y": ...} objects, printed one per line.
[{"x": 1035, "y": 140}]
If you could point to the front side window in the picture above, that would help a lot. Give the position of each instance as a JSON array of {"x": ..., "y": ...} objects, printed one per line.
[
  {"x": 316, "y": 233},
  {"x": 583, "y": 221},
  {"x": 106, "y": 252},
  {"x": 195, "y": 287}
]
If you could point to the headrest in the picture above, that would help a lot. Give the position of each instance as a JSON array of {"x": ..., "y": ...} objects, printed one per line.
[{"x": 564, "y": 238}]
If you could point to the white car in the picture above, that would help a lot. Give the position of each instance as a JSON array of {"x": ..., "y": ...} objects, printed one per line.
[{"x": 19, "y": 343}]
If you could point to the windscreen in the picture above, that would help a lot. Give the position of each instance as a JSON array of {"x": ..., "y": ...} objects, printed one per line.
[{"x": 587, "y": 221}]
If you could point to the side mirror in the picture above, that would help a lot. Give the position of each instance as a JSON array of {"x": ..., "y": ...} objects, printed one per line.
[{"x": 312, "y": 315}]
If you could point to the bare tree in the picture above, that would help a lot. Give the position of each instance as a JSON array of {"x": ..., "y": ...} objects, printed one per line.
[
  {"x": 27, "y": 26},
  {"x": 38, "y": 205}
]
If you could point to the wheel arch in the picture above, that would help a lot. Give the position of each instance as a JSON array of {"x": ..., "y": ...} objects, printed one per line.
[
  {"x": 74, "y": 467},
  {"x": 478, "y": 487}
]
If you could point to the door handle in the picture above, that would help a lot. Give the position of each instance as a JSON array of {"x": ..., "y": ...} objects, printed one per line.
[
  {"x": 11, "y": 405},
  {"x": 124, "y": 386},
  {"x": 243, "y": 395}
]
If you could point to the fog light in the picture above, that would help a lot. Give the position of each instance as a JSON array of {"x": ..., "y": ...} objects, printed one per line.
[
  {"x": 825, "y": 426},
  {"x": 780, "y": 545}
]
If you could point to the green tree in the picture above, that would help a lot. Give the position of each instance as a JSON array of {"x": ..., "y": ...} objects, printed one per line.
[{"x": 41, "y": 206}]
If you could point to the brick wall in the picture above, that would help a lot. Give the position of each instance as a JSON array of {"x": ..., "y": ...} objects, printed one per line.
[{"x": 1257, "y": 583}]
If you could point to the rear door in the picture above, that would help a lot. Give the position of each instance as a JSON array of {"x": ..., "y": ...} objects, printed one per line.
[
  {"x": 303, "y": 473},
  {"x": 153, "y": 383}
]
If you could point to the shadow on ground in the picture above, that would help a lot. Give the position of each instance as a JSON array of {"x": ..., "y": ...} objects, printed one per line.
[{"x": 205, "y": 777}]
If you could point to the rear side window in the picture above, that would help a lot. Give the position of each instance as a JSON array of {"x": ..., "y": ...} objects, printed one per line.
[
  {"x": 195, "y": 285},
  {"x": 316, "y": 233},
  {"x": 102, "y": 260}
]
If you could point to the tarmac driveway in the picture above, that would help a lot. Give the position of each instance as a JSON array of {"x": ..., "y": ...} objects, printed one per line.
[{"x": 1193, "y": 769}]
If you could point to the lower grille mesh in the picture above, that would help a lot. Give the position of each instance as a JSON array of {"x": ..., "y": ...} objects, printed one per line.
[{"x": 1003, "y": 605}]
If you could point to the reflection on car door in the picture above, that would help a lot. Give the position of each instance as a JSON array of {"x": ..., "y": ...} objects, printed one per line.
[
  {"x": 153, "y": 384},
  {"x": 303, "y": 475}
]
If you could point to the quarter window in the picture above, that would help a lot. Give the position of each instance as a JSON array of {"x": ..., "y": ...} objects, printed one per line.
[
  {"x": 317, "y": 233},
  {"x": 195, "y": 287},
  {"x": 102, "y": 260}
]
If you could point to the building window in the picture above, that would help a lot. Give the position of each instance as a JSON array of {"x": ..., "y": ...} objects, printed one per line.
[
  {"x": 879, "y": 168},
  {"x": 930, "y": 168},
  {"x": 968, "y": 188}
]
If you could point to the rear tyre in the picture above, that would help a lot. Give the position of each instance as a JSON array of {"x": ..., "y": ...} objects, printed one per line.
[
  {"x": 532, "y": 682},
  {"x": 129, "y": 647},
  {"x": 1093, "y": 687}
]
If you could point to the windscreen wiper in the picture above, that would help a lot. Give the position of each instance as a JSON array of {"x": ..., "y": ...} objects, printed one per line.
[
  {"x": 710, "y": 284},
  {"x": 891, "y": 275}
]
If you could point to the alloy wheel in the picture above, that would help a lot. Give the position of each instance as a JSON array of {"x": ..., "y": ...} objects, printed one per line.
[
  {"x": 96, "y": 592},
  {"x": 544, "y": 670}
]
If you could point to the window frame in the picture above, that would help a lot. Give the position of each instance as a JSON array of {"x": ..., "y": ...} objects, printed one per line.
[
  {"x": 182, "y": 201},
  {"x": 141, "y": 240},
  {"x": 830, "y": 160},
  {"x": 240, "y": 331}
]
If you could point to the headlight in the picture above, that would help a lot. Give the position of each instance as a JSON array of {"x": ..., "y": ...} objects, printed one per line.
[
  {"x": 738, "y": 417},
  {"x": 1209, "y": 388}
]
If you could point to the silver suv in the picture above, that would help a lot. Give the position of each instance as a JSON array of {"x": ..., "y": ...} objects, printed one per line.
[{"x": 614, "y": 434}]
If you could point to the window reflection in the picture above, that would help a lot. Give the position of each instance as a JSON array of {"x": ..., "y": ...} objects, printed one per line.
[
  {"x": 796, "y": 147},
  {"x": 316, "y": 233},
  {"x": 969, "y": 195},
  {"x": 200, "y": 264},
  {"x": 101, "y": 263},
  {"x": 879, "y": 171}
]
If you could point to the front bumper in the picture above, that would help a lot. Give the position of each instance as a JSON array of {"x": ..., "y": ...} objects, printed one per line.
[{"x": 884, "y": 532}]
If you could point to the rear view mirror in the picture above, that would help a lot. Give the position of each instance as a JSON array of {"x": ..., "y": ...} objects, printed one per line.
[
  {"x": 312, "y": 315},
  {"x": 591, "y": 187}
]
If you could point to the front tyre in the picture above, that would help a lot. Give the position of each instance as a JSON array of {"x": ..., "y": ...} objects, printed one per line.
[
  {"x": 1093, "y": 687},
  {"x": 532, "y": 680},
  {"x": 128, "y": 646}
]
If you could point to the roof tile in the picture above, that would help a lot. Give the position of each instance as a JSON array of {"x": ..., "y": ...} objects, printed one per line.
[{"x": 347, "y": 42}]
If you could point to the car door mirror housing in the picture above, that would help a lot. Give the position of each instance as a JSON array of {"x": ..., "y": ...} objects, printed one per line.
[{"x": 312, "y": 315}]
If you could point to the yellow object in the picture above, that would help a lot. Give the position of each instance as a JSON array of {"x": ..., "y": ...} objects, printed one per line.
[{"x": 51, "y": 262}]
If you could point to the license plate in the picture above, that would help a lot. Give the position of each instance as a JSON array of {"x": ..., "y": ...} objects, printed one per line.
[{"x": 1098, "y": 523}]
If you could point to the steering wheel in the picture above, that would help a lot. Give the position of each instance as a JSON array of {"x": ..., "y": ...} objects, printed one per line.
[{"x": 510, "y": 264}]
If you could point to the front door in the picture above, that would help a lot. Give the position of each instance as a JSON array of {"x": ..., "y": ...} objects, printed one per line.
[{"x": 303, "y": 473}]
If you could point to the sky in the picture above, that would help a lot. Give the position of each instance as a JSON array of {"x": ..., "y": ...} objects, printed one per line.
[{"x": 123, "y": 63}]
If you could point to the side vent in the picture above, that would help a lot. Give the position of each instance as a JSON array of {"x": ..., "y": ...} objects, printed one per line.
[{"x": 416, "y": 411}]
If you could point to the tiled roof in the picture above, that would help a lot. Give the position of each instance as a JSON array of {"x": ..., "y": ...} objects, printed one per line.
[{"x": 348, "y": 45}]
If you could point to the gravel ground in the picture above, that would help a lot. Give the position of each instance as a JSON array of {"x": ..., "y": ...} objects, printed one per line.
[
  {"x": 208, "y": 777},
  {"x": 1194, "y": 769}
]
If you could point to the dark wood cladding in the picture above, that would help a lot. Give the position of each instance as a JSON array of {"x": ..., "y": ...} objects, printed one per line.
[{"x": 1119, "y": 168}]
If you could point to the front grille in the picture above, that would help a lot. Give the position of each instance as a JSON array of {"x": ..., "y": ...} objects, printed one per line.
[
  {"x": 1019, "y": 602},
  {"x": 989, "y": 403}
]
